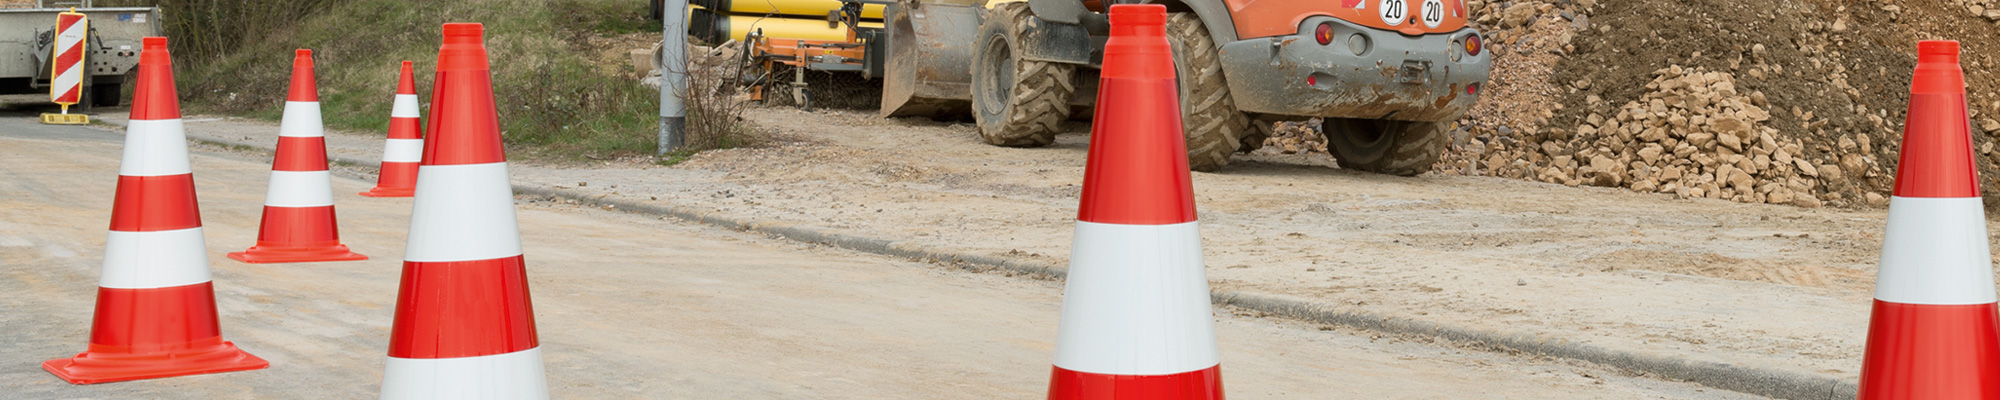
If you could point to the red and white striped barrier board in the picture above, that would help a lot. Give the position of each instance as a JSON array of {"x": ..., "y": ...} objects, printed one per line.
[{"x": 66, "y": 78}]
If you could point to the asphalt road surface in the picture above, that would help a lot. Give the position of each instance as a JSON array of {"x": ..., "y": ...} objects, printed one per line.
[{"x": 637, "y": 307}]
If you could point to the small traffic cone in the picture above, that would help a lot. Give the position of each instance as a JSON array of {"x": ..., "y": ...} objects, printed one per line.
[
  {"x": 155, "y": 303},
  {"x": 1136, "y": 322},
  {"x": 1935, "y": 332},
  {"x": 299, "y": 224},
  {"x": 398, "y": 176},
  {"x": 464, "y": 328}
]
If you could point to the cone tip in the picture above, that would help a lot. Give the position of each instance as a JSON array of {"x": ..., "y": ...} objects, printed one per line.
[
  {"x": 1139, "y": 14},
  {"x": 153, "y": 43},
  {"x": 406, "y": 65},
  {"x": 455, "y": 29},
  {"x": 1937, "y": 51},
  {"x": 305, "y": 53}
]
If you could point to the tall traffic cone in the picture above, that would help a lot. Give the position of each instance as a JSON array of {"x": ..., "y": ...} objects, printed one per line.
[
  {"x": 1934, "y": 332},
  {"x": 299, "y": 225},
  {"x": 464, "y": 328},
  {"x": 155, "y": 303},
  {"x": 398, "y": 176},
  {"x": 1136, "y": 322}
]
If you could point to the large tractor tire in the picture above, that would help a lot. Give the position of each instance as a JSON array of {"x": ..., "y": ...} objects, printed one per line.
[
  {"x": 1016, "y": 102},
  {"x": 1215, "y": 129},
  {"x": 1405, "y": 148}
]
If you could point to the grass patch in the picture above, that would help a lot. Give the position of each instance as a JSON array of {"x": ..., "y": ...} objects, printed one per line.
[
  {"x": 553, "y": 104},
  {"x": 674, "y": 157}
]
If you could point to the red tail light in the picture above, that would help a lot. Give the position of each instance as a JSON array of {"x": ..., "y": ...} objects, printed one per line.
[
  {"x": 1324, "y": 33},
  {"x": 1472, "y": 44}
]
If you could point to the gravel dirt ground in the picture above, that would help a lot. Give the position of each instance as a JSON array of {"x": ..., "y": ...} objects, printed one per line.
[
  {"x": 1761, "y": 286},
  {"x": 634, "y": 307}
]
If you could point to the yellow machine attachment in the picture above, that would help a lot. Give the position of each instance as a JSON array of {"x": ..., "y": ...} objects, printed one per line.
[
  {"x": 782, "y": 37},
  {"x": 794, "y": 8},
  {"x": 718, "y": 28}
]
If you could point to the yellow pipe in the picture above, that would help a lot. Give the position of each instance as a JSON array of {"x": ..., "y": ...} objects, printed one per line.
[
  {"x": 710, "y": 26},
  {"x": 807, "y": 8}
]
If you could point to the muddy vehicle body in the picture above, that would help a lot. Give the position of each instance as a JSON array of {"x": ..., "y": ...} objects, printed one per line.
[{"x": 1388, "y": 76}]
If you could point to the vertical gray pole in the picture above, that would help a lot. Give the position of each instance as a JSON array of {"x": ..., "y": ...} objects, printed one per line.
[{"x": 673, "y": 74}]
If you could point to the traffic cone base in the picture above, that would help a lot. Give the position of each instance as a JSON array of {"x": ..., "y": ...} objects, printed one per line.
[
  {"x": 510, "y": 376},
  {"x": 88, "y": 368},
  {"x": 277, "y": 255},
  {"x": 198, "y": 348}
]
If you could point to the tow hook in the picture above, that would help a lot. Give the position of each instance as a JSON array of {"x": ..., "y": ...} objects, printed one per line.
[{"x": 1415, "y": 72}]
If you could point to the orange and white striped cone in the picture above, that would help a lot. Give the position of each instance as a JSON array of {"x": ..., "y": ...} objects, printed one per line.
[
  {"x": 464, "y": 328},
  {"x": 156, "y": 313},
  {"x": 1935, "y": 332},
  {"x": 1136, "y": 320},
  {"x": 299, "y": 224},
  {"x": 398, "y": 175}
]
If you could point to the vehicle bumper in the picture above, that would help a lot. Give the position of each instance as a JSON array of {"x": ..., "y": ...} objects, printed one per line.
[{"x": 1395, "y": 77}]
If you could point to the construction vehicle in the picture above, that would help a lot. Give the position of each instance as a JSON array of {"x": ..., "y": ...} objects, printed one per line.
[
  {"x": 1388, "y": 76},
  {"x": 783, "y": 39},
  {"x": 27, "y": 41}
]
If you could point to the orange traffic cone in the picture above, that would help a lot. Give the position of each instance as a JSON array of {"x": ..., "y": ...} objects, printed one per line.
[
  {"x": 398, "y": 176},
  {"x": 464, "y": 326},
  {"x": 1935, "y": 332},
  {"x": 1136, "y": 322},
  {"x": 299, "y": 224},
  {"x": 155, "y": 303}
]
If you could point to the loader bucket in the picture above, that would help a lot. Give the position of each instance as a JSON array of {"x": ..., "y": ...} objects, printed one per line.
[{"x": 929, "y": 67}]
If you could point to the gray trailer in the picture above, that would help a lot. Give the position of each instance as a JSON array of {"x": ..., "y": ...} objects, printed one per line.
[{"x": 27, "y": 41}]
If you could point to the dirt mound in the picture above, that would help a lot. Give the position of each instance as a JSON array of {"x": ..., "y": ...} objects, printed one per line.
[{"x": 1826, "y": 80}]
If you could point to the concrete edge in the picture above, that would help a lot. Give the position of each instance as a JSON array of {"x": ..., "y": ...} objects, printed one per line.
[
  {"x": 1774, "y": 383},
  {"x": 1783, "y": 384}
]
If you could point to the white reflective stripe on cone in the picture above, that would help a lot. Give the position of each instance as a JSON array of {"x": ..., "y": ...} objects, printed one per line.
[
  {"x": 155, "y": 148},
  {"x": 301, "y": 120},
  {"x": 1136, "y": 302},
  {"x": 512, "y": 376},
  {"x": 158, "y": 259},
  {"x": 406, "y": 106},
  {"x": 300, "y": 189},
  {"x": 403, "y": 150},
  {"x": 463, "y": 213},
  {"x": 1935, "y": 252}
]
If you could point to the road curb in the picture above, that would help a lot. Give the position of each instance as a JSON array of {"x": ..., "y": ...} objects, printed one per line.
[
  {"x": 1774, "y": 383},
  {"x": 1783, "y": 384}
]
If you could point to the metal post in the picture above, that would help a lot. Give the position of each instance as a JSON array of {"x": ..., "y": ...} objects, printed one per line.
[{"x": 673, "y": 74}]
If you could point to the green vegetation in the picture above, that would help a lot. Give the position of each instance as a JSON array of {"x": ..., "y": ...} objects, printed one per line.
[{"x": 554, "y": 104}]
